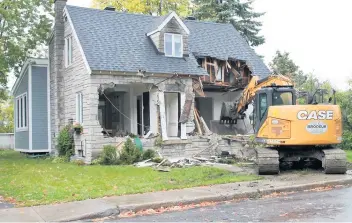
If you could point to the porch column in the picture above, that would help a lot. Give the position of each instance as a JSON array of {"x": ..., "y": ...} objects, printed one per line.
[
  {"x": 162, "y": 115},
  {"x": 183, "y": 125},
  {"x": 153, "y": 110}
]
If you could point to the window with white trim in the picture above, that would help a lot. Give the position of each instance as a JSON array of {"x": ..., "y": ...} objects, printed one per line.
[
  {"x": 173, "y": 45},
  {"x": 21, "y": 118},
  {"x": 68, "y": 51},
  {"x": 79, "y": 107}
]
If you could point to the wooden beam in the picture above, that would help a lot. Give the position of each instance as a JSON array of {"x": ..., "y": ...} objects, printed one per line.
[{"x": 197, "y": 122}]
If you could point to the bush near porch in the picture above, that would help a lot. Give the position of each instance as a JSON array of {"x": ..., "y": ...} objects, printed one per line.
[{"x": 27, "y": 181}]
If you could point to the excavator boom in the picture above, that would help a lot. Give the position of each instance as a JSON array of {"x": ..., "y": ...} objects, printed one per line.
[
  {"x": 255, "y": 84},
  {"x": 232, "y": 111}
]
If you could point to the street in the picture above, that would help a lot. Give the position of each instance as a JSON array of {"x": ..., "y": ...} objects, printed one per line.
[{"x": 331, "y": 205}]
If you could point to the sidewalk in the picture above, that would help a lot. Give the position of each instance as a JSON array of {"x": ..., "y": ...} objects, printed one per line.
[{"x": 102, "y": 207}]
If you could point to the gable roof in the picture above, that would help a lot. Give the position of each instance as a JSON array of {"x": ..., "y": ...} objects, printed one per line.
[
  {"x": 117, "y": 41},
  {"x": 166, "y": 21},
  {"x": 29, "y": 61}
]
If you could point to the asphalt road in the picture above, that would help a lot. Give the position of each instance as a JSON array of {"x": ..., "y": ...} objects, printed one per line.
[{"x": 333, "y": 205}]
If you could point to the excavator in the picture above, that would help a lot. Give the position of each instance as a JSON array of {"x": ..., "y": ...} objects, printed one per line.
[{"x": 289, "y": 132}]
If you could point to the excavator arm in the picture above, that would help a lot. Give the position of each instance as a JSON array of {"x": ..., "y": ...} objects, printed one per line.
[
  {"x": 255, "y": 84},
  {"x": 232, "y": 111}
]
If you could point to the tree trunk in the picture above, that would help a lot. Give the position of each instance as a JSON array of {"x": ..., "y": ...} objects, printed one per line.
[{"x": 160, "y": 7}]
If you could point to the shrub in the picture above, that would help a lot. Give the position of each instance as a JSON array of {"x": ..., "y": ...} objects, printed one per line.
[
  {"x": 130, "y": 154},
  {"x": 97, "y": 161},
  {"x": 109, "y": 156},
  {"x": 65, "y": 142},
  {"x": 148, "y": 154},
  {"x": 346, "y": 140}
]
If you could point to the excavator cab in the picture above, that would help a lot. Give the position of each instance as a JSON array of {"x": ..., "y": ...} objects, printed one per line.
[{"x": 270, "y": 96}]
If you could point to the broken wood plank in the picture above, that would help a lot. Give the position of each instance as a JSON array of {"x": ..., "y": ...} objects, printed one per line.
[
  {"x": 202, "y": 123},
  {"x": 161, "y": 162},
  {"x": 197, "y": 122},
  {"x": 186, "y": 111},
  {"x": 205, "y": 126},
  {"x": 197, "y": 87}
]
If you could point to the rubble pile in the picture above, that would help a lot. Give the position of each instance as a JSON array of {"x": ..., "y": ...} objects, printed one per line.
[{"x": 165, "y": 164}]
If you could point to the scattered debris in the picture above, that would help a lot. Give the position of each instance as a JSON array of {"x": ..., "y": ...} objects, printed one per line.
[
  {"x": 163, "y": 168},
  {"x": 145, "y": 163},
  {"x": 160, "y": 164}
]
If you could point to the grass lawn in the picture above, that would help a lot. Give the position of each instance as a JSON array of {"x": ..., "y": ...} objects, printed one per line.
[
  {"x": 28, "y": 181},
  {"x": 349, "y": 155}
]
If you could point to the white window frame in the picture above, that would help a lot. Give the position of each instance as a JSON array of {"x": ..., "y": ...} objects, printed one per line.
[
  {"x": 79, "y": 108},
  {"x": 68, "y": 51},
  {"x": 21, "y": 127},
  {"x": 173, "y": 44}
]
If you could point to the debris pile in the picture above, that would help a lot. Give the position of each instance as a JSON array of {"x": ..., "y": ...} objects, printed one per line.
[{"x": 165, "y": 165}]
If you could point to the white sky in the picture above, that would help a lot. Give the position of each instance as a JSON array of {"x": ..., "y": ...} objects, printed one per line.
[{"x": 317, "y": 34}]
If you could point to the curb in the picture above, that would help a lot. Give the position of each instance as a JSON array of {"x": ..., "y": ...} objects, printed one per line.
[
  {"x": 231, "y": 196},
  {"x": 93, "y": 215}
]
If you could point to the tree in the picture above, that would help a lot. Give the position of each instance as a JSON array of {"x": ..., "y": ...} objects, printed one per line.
[
  {"x": 283, "y": 64},
  {"x": 24, "y": 25},
  {"x": 239, "y": 13},
  {"x": 6, "y": 116},
  {"x": 344, "y": 99},
  {"x": 151, "y": 7}
]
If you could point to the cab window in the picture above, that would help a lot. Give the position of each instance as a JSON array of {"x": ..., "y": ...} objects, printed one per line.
[
  {"x": 282, "y": 98},
  {"x": 263, "y": 104}
]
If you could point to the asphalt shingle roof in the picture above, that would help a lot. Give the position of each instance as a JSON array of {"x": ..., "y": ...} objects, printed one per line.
[{"x": 115, "y": 41}]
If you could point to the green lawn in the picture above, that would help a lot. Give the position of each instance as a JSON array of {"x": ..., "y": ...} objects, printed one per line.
[
  {"x": 28, "y": 181},
  {"x": 349, "y": 155}
]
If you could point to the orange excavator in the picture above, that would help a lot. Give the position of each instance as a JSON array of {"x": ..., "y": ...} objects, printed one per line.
[{"x": 288, "y": 132}]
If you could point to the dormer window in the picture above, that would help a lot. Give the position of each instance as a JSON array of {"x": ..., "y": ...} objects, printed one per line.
[{"x": 173, "y": 45}]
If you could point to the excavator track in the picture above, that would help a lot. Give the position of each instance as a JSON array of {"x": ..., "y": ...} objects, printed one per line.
[
  {"x": 334, "y": 161},
  {"x": 268, "y": 161}
]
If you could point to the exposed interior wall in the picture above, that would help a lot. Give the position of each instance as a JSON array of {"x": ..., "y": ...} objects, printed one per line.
[
  {"x": 205, "y": 108},
  {"x": 217, "y": 98}
]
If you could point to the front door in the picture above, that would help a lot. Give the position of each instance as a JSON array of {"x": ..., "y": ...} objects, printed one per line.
[{"x": 171, "y": 110}]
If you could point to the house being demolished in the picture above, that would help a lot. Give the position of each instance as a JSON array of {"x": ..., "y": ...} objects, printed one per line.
[{"x": 119, "y": 74}]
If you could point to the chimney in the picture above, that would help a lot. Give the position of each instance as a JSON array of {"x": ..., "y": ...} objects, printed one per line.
[
  {"x": 109, "y": 8},
  {"x": 57, "y": 61}
]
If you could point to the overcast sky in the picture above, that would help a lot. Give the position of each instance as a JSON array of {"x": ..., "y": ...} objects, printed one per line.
[{"x": 317, "y": 34}]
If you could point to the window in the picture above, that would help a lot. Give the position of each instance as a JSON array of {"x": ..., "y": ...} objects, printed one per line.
[
  {"x": 21, "y": 118},
  {"x": 282, "y": 98},
  {"x": 220, "y": 73},
  {"x": 263, "y": 105},
  {"x": 79, "y": 108},
  {"x": 173, "y": 45},
  {"x": 68, "y": 51}
]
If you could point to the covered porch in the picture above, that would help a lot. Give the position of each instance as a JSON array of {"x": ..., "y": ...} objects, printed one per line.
[{"x": 139, "y": 109}]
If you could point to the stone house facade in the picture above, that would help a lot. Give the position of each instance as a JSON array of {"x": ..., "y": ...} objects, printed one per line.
[{"x": 118, "y": 73}]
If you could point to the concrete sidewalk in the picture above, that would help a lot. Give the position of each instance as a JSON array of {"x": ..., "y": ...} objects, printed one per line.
[{"x": 103, "y": 207}]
